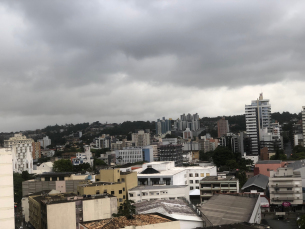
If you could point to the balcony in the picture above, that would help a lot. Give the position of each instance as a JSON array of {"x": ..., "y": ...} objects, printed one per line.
[
  {"x": 285, "y": 192},
  {"x": 284, "y": 186},
  {"x": 284, "y": 198}
]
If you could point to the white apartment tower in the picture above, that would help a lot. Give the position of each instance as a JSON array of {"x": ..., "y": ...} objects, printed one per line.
[
  {"x": 6, "y": 190},
  {"x": 257, "y": 118},
  {"x": 21, "y": 148},
  {"x": 141, "y": 138},
  {"x": 46, "y": 141}
]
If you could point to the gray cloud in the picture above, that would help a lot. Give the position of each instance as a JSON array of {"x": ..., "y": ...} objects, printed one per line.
[{"x": 93, "y": 58}]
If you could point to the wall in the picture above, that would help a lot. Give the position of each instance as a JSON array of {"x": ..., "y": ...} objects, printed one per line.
[
  {"x": 256, "y": 214},
  {"x": 185, "y": 224},
  {"x": 61, "y": 215},
  {"x": 179, "y": 178},
  {"x": 263, "y": 168},
  {"x": 102, "y": 208},
  {"x": 131, "y": 180},
  {"x": 173, "y": 224},
  {"x": 109, "y": 175},
  {"x": 6, "y": 190},
  {"x": 25, "y": 208}
]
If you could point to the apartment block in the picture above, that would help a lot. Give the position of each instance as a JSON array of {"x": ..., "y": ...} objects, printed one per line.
[
  {"x": 141, "y": 138},
  {"x": 171, "y": 152},
  {"x": 217, "y": 184},
  {"x": 36, "y": 153},
  {"x": 285, "y": 185},
  {"x": 44, "y": 142},
  {"x": 222, "y": 127},
  {"x": 134, "y": 154}
]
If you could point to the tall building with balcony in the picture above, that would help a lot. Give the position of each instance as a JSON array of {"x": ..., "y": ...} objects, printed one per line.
[
  {"x": 257, "y": 118},
  {"x": 222, "y": 127},
  {"x": 22, "y": 152},
  {"x": 163, "y": 126},
  {"x": 303, "y": 122},
  {"x": 285, "y": 185},
  {"x": 141, "y": 138}
]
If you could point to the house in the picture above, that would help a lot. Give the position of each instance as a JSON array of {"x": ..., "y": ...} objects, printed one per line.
[
  {"x": 256, "y": 184},
  {"x": 223, "y": 209}
]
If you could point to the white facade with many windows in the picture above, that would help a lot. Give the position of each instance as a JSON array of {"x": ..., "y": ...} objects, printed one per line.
[{"x": 21, "y": 148}]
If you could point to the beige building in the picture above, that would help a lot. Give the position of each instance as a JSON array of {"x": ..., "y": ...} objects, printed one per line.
[
  {"x": 111, "y": 181},
  {"x": 285, "y": 185},
  {"x": 66, "y": 210},
  {"x": 6, "y": 190},
  {"x": 141, "y": 138},
  {"x": 36, "y": 153}
]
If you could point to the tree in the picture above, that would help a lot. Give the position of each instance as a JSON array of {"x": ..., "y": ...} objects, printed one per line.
[
  {"x": 205, "y": 156},
  {"x": 81, "y": 168},
  {"x": 63, "y": 166},
  {"x": 127, "y": 209},
  {"x": 221, "y": 155},
  {"x": 17, "y": 177},
  {"x": 301, "y": 222},
  {"x": 242, "y": 177}
]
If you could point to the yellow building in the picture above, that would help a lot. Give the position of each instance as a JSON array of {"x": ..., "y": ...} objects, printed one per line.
[{"x": 110, "y": 181}]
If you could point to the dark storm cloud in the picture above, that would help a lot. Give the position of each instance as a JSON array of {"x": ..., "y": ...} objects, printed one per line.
[{"x": 93, "y": 58}]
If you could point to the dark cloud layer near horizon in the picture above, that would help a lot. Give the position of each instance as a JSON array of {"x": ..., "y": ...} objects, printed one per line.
[{"x": 75, "y": 61}]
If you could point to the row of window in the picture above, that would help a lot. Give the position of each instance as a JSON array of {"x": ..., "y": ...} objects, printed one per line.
[{"x": 197, "y": 174}]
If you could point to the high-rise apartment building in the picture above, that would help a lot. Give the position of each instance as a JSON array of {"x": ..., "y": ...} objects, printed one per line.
[
  {"x": 141, "y": 138},
  {"x": 303, "y": 122},
  {"x": 44, "y": 142},
  {"x": 22, "y": 152},
  {"x": 163, "y": 126},
  {"x": 6, "y": 190},
  {"x": 36, "y": 153},
  {"x": 187, "y": 121},
  {"x": 257, "y": 118},
  {"x": 223, "y": 127}
]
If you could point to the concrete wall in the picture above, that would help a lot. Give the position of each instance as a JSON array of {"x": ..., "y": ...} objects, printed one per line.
[
  {"x": 179, "y": 178},
  {"x": 102, "y": 208},
  {"x": 256, "y": 216},
  {"x": 6, "y": 190},
  {"x": 185, "y": 224},
  {"x": 61, "y": 215}
]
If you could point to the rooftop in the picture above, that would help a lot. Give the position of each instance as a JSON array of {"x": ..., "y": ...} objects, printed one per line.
[
  {"x": 269, "y": 162},
  {"x": 229, "y": 209},
  {"x": 258, "y": 180},
  {"x": 157, "y": 187},
  {"x": 122, "y": 221},
  {"x": 66, "y": 174},
  {"x": 89, "y": 184},
  {"x": 216, "y": 178}
]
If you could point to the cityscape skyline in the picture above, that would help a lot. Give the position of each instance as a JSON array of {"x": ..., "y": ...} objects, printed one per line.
[{"x": 125, "y": 60}]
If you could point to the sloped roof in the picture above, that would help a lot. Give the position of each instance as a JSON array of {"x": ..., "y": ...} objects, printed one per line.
[
  {"x": 150, "y": 171},
  {"x": 229, "y": 209},
  {"x": 259, "y": 180},
  {"x": 297, "y": 164},
  {"x": 269, "y": 162}
]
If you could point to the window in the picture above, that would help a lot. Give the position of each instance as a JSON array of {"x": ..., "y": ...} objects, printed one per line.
[
  {"x": 120, "y": 191},
  {"x": 47, "y": 178},
  {"x": 131, "y": 194},
  {"x": 232, "y": 185},
  {"x": 185, "y": 182},
  {"x": 118, "y": 180},
  {"x": 97, "y": 192},
  {"x": 191, "y": 175},
  {"x": 54, "y": 178},
  {"x": 123, "y": 189},
  {"x": 120, "y": 200},
  {"x": 112, "y": 192},
  {"x": 123, "y": 179},
  {"x": 124, "y": 197},
  {"x": 289, "y": 188},
  {"x": 197, "y": 187},
  {"x": 202, "y": 174},
  {"x": 197, "y": 181},
  {"x": 208, "y": 174},
  {"x": 196, "y": 175},
  {"x": 61, "y": 178},
  {"x": 191, "y": 181},
  {"x": 191, "y": 188}
]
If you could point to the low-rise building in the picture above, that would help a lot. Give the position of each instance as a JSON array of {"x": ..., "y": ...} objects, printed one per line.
[
  {"x": 140, "y": 221},
  {"x": 45, "y": 167},
  {"x": 66, "y": 210},
  {"x": 171, "y": 152},
  {"x": 285, "y": 186},
  {"x": 230, "y": 209},
  {"x": 264, "y": 167},
  {"x": 158, "y": 192},
  {"x": 111, "y": 181},
  {"x": 82, "y": 158},
  {"x": 212, "y": 185},
  {"x": 134, "y": 154}
]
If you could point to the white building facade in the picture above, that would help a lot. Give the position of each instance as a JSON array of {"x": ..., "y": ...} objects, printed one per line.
[
  {"x": 21, "y": 152},
  {"x": 7, "y": 219},
  {"x": 45, "y": 141},
  {"x": 82, "y": 158},
  {"x": 134, "y": 154},
  {"x": 141, "y": 138}
]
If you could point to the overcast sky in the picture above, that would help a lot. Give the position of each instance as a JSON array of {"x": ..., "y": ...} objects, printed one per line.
[{"x": 82, "y": 61}]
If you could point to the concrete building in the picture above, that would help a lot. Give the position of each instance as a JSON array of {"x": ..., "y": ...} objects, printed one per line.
[
  {"x": 103, "y": 141},
  {"x": 134, "y": 154},
  {"x": 36, "y": 150},
  {"x": 171, "y": 152},
  {"x": 158, "y": 192},
  {"x": 141, "y": 138},
  {"x": 44, "y": 142},
  {"x": 300, "y": 167},
  {"x": 285, "y": 185},
  {"x": 45, "y": 167},
  {"x": 82, "y": 158},
  {"x": 111, "y": 181},
  {"x": 187, "y": 121},
  {"x": 187, "y": 134},
  {"x": 22, "y": 152},
  {"x": 303, "y": 121},
  {"x": 222, "y": 127},
  {"x": 139, "y": 221},
  {"x": 231, "y": 209},
  {"x": 62, "y": 182},
  {"x": 7, "y": 219},
  {"x": 257, "y": 118},
  {"x": 165, "y": 173},
  {"x": 66, "y": 210},
  {"x": 109, "y": 157},
  {"x": 212, "y": 185}
]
